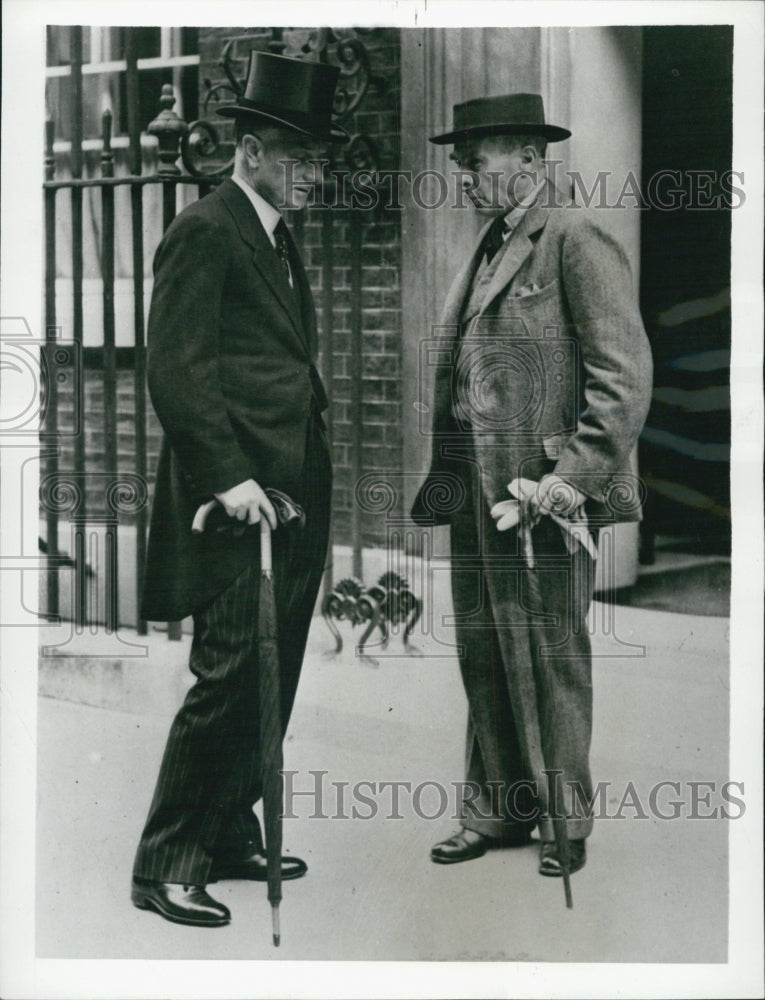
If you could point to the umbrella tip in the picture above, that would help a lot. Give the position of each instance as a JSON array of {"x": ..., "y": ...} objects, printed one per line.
[
  {"x": 275, "y": 924},
  {"x": 277, "y": 940}
]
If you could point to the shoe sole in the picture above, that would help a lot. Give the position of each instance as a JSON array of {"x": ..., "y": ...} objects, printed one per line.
[
  {"x": 143, "y": 902},
  {"x": 455, "y": 861}
]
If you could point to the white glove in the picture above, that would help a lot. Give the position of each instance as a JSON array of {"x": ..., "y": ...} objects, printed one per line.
[
  {"x": 507, "y": 513},
  {"x": 554, "y": 495},
  {"x": 549, "y": 497}
]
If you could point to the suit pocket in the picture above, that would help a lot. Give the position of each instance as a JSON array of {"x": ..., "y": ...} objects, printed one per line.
[
  {"x": 538, "y": 311},
  {"x": 527, "y": 298}
]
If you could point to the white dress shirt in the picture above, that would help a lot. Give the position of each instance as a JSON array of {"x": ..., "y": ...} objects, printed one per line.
[
  {"x": 515, "y": 215},
  {"x": 267, "y": 214}
]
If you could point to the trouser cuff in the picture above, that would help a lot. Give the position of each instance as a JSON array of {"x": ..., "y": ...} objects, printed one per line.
[
  {"x": 576, "y": 829},
  {"x": 497, "y": 829}
]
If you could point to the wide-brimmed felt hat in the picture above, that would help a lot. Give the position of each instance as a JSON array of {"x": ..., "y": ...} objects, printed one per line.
[
  {"x": 294, "y": 93},
  {"x": 510, "y": 114}
]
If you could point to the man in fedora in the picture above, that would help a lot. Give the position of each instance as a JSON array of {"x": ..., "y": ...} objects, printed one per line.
[
  {"x": 231, "y": 367},
  {"x": 541, "y": 390}
]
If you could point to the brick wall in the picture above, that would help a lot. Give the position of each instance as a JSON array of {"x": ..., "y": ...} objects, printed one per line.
[{"x": 93, "y": 408}]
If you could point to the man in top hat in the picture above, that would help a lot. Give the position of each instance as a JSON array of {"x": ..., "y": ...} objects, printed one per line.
[
  {"x": 543, "y": 387},
  {"x": 231, "y": 367}
]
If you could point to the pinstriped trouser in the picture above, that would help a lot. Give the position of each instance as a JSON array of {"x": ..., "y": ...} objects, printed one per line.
[{"x": 210, "y": 774}]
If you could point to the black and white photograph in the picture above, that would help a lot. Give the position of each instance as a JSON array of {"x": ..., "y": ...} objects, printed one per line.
[{"x": 381, "y": 433}]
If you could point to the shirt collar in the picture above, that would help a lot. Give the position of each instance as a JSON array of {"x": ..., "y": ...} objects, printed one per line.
[
  {"x": 268, "y": 215},
  {"x": 514, "y": 216}
]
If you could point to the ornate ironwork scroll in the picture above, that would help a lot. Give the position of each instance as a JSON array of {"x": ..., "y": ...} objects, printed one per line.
[{"x": 387, "y": 604}]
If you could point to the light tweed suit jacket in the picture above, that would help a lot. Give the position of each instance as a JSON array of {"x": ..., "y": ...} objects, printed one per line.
[{"x": 545, "y": 366}]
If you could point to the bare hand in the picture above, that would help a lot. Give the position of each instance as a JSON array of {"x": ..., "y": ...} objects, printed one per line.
[{"x": 247, "y": 502}]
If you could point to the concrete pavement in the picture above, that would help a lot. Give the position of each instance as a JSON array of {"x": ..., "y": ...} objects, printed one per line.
[{"x": 654, "y": 890}]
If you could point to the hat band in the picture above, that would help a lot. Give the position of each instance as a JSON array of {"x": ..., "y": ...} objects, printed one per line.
[
  {"x": 552, "y": 133},
  {"x": 302, "y": 119}
]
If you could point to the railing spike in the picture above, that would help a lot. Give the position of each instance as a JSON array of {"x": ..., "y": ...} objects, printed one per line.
[
  {"x": 107, "y": 156},
  {"x": 169, "y": 128}
]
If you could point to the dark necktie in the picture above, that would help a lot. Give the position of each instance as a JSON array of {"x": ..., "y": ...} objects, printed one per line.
[
  {"x": 282, "y": 248},
  {"x": 493, "y": 240}
]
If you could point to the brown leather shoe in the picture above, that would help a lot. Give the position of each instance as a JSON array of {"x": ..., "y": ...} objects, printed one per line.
[
  {"x": 255, "y": 868},
  {"x": 464, "y": 845},
  {"x": 549, "y": 862},
  {"x": 183, "y": 904}
]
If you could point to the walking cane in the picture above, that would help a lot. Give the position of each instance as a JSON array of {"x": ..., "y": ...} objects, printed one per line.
[
  {"x": 508, "y": 514},
  {"x": 548, "y": 724},
  {"x": 272, "y": 761}
]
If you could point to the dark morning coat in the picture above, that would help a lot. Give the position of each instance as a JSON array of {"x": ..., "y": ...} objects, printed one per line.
[
  {"x": 554, "y": 370},
  {"x": 231, "y": 352}
]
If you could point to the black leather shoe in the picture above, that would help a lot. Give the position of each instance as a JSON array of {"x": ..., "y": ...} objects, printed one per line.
[
  {"x": 255, "y": 868},
  {"x": 549, "y": 862},
  {"x": 183, "y": 904}
]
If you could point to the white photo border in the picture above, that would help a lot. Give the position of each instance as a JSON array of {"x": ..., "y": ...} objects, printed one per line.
[{"x": 23, "y": 975}]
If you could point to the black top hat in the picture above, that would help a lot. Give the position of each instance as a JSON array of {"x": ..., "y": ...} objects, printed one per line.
[
  {"x": 511, "y": 114},
  {"x": 295, "y": 93}
]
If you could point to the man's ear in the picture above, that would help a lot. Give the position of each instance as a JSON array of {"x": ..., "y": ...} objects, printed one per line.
[
  {"x": 252, "y": 146},
  {"x": 529, "y": 157}
]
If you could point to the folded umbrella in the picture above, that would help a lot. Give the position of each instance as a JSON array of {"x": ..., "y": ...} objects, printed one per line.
[{"x": 272, "y": 761}]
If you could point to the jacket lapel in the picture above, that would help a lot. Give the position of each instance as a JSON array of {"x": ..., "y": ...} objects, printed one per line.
[
  {"x": 264, "y": 257},
  {"x": 460, "y": 287},
  {"x": 451, "y": 318},
  {"x": 519, "y": 246}
]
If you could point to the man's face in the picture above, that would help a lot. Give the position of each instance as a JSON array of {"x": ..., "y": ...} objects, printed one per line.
[
  {"x": 287, "y": 167},
  {"x": 495, "y": 176}
]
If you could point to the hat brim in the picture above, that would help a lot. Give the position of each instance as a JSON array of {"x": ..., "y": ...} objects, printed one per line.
[
  {"x": 553, "y": 133},
  {"x": 336, "y": 133}
]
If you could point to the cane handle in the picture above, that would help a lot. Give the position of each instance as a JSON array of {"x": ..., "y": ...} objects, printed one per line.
[
  {"x": 198, "y": 524},
  {"x": 287, "y": 511}
]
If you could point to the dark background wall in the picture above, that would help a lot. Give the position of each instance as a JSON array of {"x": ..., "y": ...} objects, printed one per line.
[{"x": 685, "y": 282}]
